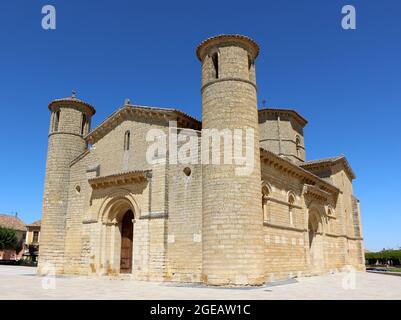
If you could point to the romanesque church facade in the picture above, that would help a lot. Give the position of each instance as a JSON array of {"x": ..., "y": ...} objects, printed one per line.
[{"x": 108, "y": 210}]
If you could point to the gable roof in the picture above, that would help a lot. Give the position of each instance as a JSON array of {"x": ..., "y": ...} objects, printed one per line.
[
  {"x": 34, "y": 224},
  {"x": 328, "y": 162},
  {"x": 12, "y": 222},
  {"x": 293, "y": 169},
  {"x": 183, "y": 119}
]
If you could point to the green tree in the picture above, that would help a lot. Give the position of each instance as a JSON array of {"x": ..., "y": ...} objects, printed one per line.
[
  {"x": 8, "y": 239},
  {"x": 383, "y": 256}
]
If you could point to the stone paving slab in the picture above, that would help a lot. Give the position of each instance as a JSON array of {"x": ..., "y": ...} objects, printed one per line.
[{"x": 21, "y": 283}]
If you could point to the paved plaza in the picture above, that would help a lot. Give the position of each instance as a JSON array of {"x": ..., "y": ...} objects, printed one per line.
[{"x": 23, "y": 283}]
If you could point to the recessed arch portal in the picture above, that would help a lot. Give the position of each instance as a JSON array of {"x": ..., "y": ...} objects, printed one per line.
[
  {"x": 117, "y": 214},
  {"x": 115, "y": 203},
  {"x": 315, "y": 239}
]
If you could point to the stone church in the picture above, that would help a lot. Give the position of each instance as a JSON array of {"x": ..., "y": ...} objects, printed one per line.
[{"x": 108, "y": 210}]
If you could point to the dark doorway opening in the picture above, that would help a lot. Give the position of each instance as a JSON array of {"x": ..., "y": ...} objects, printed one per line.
[{"x": 127, "y": 233}]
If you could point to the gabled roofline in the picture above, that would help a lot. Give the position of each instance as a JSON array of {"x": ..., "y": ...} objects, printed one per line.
[
  {"x": 12, "y": 222},
  {"x": 328, "y": 162},
  {"x": 36, "y": 223},
  {"x": 292, "y": 168},
  {"x": 184, "y": 120}
]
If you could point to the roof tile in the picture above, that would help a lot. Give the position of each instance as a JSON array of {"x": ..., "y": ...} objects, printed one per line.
[{"x": 12, "y": 222}]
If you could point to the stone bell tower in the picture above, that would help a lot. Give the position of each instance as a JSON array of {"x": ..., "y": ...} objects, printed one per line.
[
  {"x": 232, "y": 211},
  {"x": 69, "y": 123}
]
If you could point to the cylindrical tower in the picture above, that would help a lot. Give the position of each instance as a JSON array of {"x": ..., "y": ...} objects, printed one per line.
[
  {"x": 69, "y": 123},
  {"x": 232, "y": 208}
]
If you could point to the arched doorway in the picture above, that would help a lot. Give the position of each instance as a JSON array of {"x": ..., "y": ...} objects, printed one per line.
[
  {"x": 315, "y": 240},
  {"x": 127, "y": 233},
  {"x": 312, "y": 228},
  {"x": 115, "y": 256}
]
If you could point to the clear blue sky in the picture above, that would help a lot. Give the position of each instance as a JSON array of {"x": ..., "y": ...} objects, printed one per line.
[{"x": 346, "y": 83}]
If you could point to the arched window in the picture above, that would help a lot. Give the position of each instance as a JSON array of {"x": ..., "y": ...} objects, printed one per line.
[
  {"x": 127, "y": 140},
  {"x": 251, "y": 69},
  {"x": 265, "y": 203},
  {"x": 56, "y": 120},
  {"x": 314, "y": 226},
  {"x": 298, "y": 145},
  {"x": 330, "y": 211},
  {"x": 83, "y": 123},
  {"x": 291, "y": 201},
  {"x": 215, "y": 60},
  {"x": 328, "y": 220}
]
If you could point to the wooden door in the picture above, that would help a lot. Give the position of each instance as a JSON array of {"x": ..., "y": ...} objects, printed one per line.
[{"x": 127, "y": 232}]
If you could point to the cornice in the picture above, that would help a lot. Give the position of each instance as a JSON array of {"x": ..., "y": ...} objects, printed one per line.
[
  {"x": 328, "y": 163},
  {"x": 294, "y": 170},
  {"x": 278, "y": 226},
  {"x": 342, "y": 236},
  {"x": 286, "y": 203},
  {"x": 287, "y": 112},
  {"x": 228, "y": 39},
  {"x": 71, "y": 101},
  {"x": 316, "y": 193},
  {"x": 154, "y": 215},
  {"x": 65, "y": 133},
  {"x": 229, "y": 79},
  {"x": 120, "y": 179}
]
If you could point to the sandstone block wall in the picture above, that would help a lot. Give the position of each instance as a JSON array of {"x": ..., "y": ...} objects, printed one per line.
[
  {"x": 232, "y": 224},
  {"x": 64, "y": 144},
  {"x": 288, "y": 252},
  {"x": 93, "y": 240},
  {"x": 184, "y": 255},
  {"x": 279, "y": 133},
  {"x": 196, "y": 222}
]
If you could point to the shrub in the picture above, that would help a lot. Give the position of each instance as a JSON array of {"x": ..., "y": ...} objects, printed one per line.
[{"x": 8, "y": 239}]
